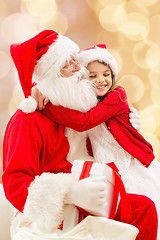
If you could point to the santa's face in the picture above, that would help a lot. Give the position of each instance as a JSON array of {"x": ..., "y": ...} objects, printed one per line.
[
  {"x": 101, "y": 75},
  {"x": 70, "y": 68}
]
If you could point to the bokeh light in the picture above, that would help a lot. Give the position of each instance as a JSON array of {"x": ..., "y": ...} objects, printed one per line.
[
  {"x": 112, "y": 17},
  {"x": 142, "y": 52},
  {"x": 17, "y": 97},
  {"x": 154, "y": 77},
  {"x": 154, "y": 33},
  {"x": 136, "y": 26},
  {"x": 108, "y": 2},
  {"x": 58, "y": 22},
  {"x": 154, "y": 110},
  {"x": 148, "y": 122},
  {"x": 5, "y": 64},
  {"x": 155, "y": 94},
  {"x": 3, "y": 8},
  {"x": 118, "y": 58},
  {"x": 145, "y": 3},
  {"x": 18, "y": 27},
  {"x": 134, "y": 87},
  {"x": 41, "y": 8}
]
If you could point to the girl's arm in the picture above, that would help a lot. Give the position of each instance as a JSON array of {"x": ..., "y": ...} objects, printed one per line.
[{"x": 112, "y": 105}]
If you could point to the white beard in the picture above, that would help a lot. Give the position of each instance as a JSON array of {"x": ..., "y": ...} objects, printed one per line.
[
  {"x": 70, "y": 92},
  {"x": 73, "y": 93}
]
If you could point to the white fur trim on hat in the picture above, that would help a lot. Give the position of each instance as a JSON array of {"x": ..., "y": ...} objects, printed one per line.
[
  {"x": 56, "y": 56},
  {"x": 45, "y": 202},
  {"x": 101, "y": 54},
  {"x": 28, "y": 105}
]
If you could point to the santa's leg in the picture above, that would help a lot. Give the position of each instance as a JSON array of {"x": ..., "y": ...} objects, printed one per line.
[{"x": 144, "y": 216}]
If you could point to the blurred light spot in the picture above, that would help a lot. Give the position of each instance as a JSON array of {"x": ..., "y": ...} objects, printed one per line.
[
  {"x": 132, "y": 7},
  {"x": 146, "y": 120},
  {"x": 111, "y": 39},
  {"x": 145, "y": 3},
  {"x": 155, "y": 94},
  {"x": 154, "y": 111},
  {"x": 112, "y": 17},
  {"x": 3, "y": 8},
  {"x": 136, "y": 26},
  {"x": 153, "y": 56},
  {"x": 95, "y": 5},
  {"x": 5, "y": 64},
  {"x": 133, "y": 86},
  {"x": 57, "y": 22},
  {"x": 40, "y": 8},
  {"x": 116, "y": 2},
  {"x": 17, "y": 97},
  {"x": 4, "y": 92},
  {"x": 140, "y": 53},
  {"x": 118, "y": 58},
  {"x": 18, "y": 27},
  {"x": 154, "y": 22},
  {"x": 154, "y": 77}
]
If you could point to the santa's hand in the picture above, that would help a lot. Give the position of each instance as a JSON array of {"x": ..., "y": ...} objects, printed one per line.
[
  {"x": 134, "y": 118},
  {"x": 89, "y": 194},
  {"x": 40, "y": 99}
]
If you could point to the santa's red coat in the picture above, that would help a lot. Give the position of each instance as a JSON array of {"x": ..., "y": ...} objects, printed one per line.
[{"x": 33, "y": 144}]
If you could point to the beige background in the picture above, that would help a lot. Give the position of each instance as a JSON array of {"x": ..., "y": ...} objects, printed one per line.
[{"x": 130, "y": 29}]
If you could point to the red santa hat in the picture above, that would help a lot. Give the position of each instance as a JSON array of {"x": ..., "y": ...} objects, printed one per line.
[
  {"x": 46, "y": 50},
  {"x": 98, "y": 53}
]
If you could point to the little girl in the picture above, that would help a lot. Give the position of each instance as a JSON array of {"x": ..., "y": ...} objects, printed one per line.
[{"x": 120, "y": 142}]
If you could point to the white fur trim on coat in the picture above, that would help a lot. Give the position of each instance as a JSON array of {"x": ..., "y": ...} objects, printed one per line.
[
  {"x": 28, "y": 105},
  {"x": 45, "y": 202},
  {"x": 101, "y": 54}
]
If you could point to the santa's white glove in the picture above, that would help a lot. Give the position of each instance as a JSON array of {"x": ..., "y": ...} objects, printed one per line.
[
  {"x": 89, "y": 194},
  {"x": 134, "y": 118}
]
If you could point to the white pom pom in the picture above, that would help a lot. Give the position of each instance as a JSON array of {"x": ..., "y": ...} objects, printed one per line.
[{"x": 28, "y": 105}]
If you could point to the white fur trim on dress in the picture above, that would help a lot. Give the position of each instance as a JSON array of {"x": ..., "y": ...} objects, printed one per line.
[
  {"x": 45, "y": 202},
  {"x": 54, "y": 59},
  {"x": 101, "y": 54},
  {"x": 28, "y": 105}
]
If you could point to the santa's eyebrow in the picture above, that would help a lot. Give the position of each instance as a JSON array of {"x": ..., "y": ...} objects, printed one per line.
[{"x": 92, "y": 72}]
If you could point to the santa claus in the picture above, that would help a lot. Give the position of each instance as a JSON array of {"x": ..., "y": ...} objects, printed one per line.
[{"x": 38, "y": 154}]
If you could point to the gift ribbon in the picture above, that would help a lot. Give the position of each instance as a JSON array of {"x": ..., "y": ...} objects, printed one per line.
[
  {"x": 126, "y": 212},
  {"x": 119, "y": 188}
]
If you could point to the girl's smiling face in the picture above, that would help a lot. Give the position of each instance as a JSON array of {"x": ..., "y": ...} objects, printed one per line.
[{"x": 101, "y": 75}]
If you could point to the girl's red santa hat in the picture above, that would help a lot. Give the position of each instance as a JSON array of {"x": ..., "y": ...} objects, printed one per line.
[
  {"x": 98, "y": 53},
  {"x": 47, "y": 51}
]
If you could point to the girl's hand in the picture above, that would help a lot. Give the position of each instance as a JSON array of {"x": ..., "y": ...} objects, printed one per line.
[
  {"x": 40, "y": 99},
  {"x": 134, "y": 118}
]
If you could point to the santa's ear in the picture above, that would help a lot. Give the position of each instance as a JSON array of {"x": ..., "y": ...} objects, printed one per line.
[{"x": 28, "y": 105}]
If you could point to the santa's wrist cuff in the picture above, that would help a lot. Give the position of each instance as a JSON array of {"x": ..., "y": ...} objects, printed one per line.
[{"x": 45, "y": 202}]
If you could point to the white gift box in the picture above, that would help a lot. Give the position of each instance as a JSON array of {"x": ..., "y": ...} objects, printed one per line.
[{"x": 99, "y": 169}]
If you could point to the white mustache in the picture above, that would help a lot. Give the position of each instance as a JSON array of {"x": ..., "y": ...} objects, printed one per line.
[{"x": 95, "y": 85}]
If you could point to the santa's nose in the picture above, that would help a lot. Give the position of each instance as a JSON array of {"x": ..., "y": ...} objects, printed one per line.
[{"x": 77, "y": 67}]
